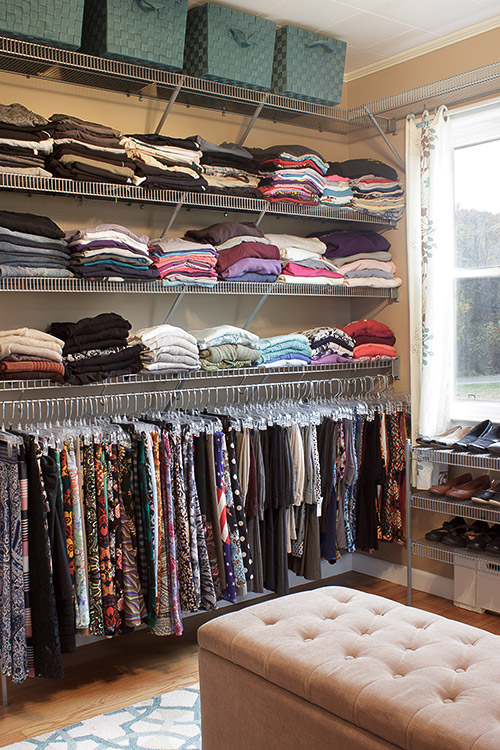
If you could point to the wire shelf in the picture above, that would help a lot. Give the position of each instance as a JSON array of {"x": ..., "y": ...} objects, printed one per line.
[
  {"x": 55, "y": 64},
  {"x": 466, "y": 508},
  {"x": 134, "y": 194},
  {"x": 462, "y": 557},
  {"x": 457, "y": 458},
  {"x": 76, "y": 284},
  {"x": 246, "y": 373}
]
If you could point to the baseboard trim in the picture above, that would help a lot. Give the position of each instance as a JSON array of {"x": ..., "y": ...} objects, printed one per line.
[{"x": 396, "y": 573}]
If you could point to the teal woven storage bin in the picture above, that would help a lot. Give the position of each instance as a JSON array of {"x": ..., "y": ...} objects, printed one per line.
[
  {"x": 147, "y": 32},
  {"x": 308, "y": 66},
  {"x": 229, "y": 46},
  {"x": 55, "y": 22}
]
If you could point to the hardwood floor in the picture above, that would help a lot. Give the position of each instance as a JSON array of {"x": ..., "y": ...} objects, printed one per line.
[{"x": 112, "y": 674}]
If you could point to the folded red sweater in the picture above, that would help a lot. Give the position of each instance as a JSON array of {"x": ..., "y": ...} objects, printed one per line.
[
  {"x": 367, "y": 327},
  {"x": 374, "y": 350}
]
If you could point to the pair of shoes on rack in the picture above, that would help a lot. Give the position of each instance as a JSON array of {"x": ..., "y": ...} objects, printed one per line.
[
  {"x": 483, "y": 438},
  {"x": 490, "y": 496},
  {"x": 445, "y": 439},
  {"x": 478, "y": 536},
  {"x": 462, "y": 487}
]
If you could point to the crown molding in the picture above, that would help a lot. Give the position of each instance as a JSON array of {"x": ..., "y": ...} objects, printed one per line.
[{"x": 424, "y": 49}]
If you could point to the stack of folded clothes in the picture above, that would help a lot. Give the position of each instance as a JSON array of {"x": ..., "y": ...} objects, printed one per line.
[
  {"x": 97, "y": 348},
  {"x": 329, "y": 345},
  {"x": 181, "y": 261},
  {"x": 287, "y": 350},
  {"x": 376, "y": 187},
  {"x": 226, "y": 346},
  {"x": 361, "y": 256},
  {"x": 244, "y": 254},
  {"x": 229, "y": 169},
  {"x": 32, "y": 245},
  {"x": 164, "y": 162},
  {"x": 166, "y": 348},
  {"x": 89, "y": 151},
  {"x": 110, "y": 251},
  {"x": 303, "y": 261},
  {"x": 373, "y": 340},
  {"x": 25, "y": 141},
  {"x": 337, "y": 190},
  {"x": 29, "y": 354},
  {"x": 291, "y": 173}
]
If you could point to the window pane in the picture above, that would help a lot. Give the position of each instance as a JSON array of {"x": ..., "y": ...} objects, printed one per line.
[
  {"x": 477, "y": 364},
  {"x": 477, "y": 206}
]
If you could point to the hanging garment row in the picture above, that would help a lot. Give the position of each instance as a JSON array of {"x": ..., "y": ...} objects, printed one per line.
[{"x": 116, "y": 524}]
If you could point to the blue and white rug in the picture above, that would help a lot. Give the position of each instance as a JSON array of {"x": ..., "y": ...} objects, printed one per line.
[{"x": 169, "y": 722}]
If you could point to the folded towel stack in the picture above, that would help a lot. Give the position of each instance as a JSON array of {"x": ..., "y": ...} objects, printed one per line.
[
  {"x": 303, "y": 260},
  {"x": 287, "y": 350},
  {"x": 25, "y": 141},
  {"x": 244, "y": 254},
  {"x": 164, "y": 162},
  {"x": 229, "y": 169},
  {"x": 32, "y": 245},
  {"x": 166, "y": 348},
  {"x": 89, "y": 151},
  {"x": 329, "y": 345},
  {"x": 361, "y": 256},
  {"x": 226, "y": 346},
  {"x": 294, "y": 173},
  {"x": 374, "y": 340},
  {"x": 337, "y": 190},
  {"x": 96, "y": 348},
  {"x": 110, "y": 250},
  {"x": 29, "y": 354},
  {"x": 184, "y": 261}
]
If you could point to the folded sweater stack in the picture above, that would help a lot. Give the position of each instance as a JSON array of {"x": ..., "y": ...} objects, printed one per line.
[
  {"x": 181, "y": 261},
  {"x": 374, "y": 340},
  {"x": 166, "y": 348},
  {"x": 294, "y": 173},
  {"x": 89, "y": 151},
  {"x": 329, "y": 345},
  {"x": 244, "y": 254},
  {"x": 96, "y": 348},
  {"x": 287, "y": 350},
  {"x": 226, "y": 346},
  {"x": 362, "y": 257},
  {"x": 229, "y": 169},
  {"x": 29, "y": 354},
  {"x": 303, "y": 260},
  {"x": 32, "y": 245},
  {"x": 25, "y": 141},
  {"x": 164, "y": 162},
  {"x": 110, "y": 250},
  {"x": 337, "y": 190},
  {"x": 375, "y": 186}
]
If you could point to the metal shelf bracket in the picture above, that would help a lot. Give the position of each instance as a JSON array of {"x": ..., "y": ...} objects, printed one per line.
[
  {"x": 175, "y": 214},
  {"x": 171, "y": 102},
  {"x": 399, "y": 159},
  {"x": 174, "y": 306},
  {"x": 252, "y": 122},
  {"x": 255, "y": 310}
]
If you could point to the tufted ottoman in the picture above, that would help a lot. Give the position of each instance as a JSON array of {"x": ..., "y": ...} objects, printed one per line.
[{"x": 338, "y": 669}]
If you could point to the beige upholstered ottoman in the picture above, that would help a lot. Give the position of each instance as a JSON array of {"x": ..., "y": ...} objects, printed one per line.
[{"x": 338, "y": 669}]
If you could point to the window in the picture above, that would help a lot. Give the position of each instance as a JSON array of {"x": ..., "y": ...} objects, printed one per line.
[{"x": 476, "y": 265}]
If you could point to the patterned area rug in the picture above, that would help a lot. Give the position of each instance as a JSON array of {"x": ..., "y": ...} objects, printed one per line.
[{"x": 169, "y": 722}]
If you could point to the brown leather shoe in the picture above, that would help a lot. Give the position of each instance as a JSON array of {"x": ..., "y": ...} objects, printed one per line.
[
  {"x": 465, "y": 491},
  {"x": 442, "y": 489}
]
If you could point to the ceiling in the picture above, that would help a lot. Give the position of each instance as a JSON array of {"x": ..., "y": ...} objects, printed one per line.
[{"x": 376, "y": 29}]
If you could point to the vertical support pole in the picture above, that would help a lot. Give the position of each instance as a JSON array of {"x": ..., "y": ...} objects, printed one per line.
[
  {"x": 256, "y": 310},
  {"x": 253, "y": 120},
  {"x": 171, "y": 102},
  {"x": 174, "y": 306},
  {"x": 387, "y": 142},
  {"x": 5, "y": 698},
  {"x": 409, "y": 571}
]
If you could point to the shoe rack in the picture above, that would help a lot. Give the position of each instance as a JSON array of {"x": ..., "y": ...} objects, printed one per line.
[{"x": 476, "y": 574}]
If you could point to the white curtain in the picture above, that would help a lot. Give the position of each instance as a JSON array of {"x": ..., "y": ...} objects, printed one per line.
[{"x": 430, "y": 247}]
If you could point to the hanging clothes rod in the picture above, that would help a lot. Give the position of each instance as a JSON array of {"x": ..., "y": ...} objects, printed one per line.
[{"x": 72, "y": 408}]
